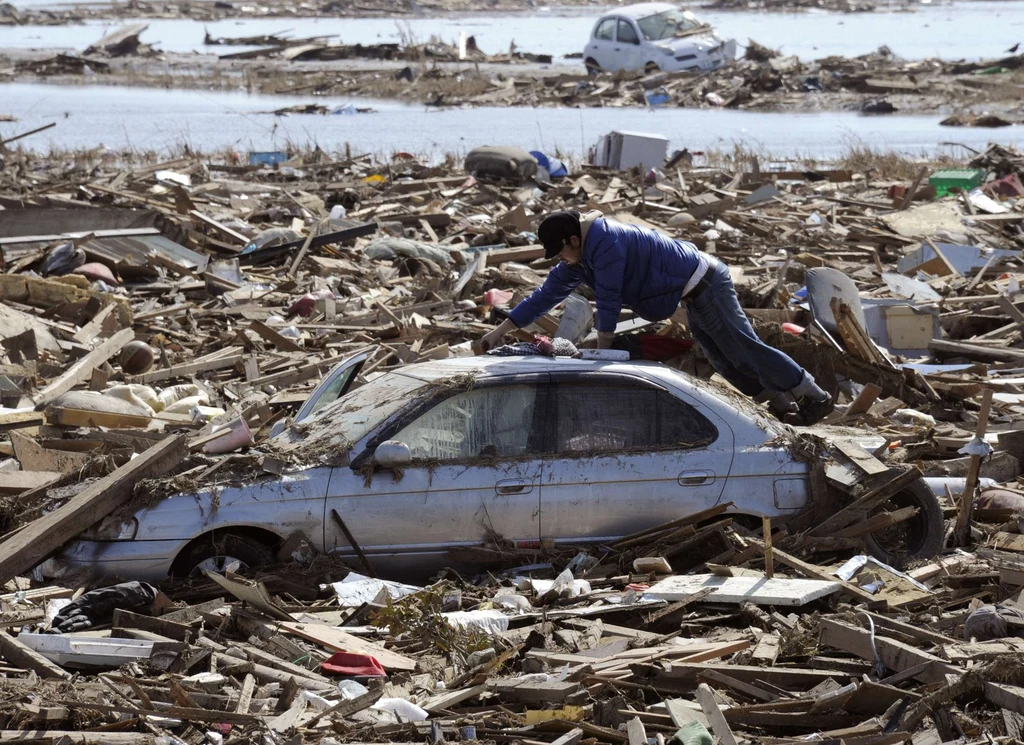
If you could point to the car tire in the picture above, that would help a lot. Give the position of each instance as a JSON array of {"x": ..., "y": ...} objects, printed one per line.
[
  {"x": 650, "y": 68},
  {"x": 920, "y": 537},
  {"x": 592, "y": 67},
  {"x": 218, "y": 551}
]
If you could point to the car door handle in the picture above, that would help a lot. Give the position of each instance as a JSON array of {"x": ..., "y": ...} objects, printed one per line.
[
  {"x": 618, "y": 49},
  {"x": 696, "y": 478},
  {"x": 512, "y": 486}
]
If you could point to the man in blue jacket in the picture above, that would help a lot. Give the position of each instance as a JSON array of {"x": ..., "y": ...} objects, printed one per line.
[{"x": 651, "y": 273}]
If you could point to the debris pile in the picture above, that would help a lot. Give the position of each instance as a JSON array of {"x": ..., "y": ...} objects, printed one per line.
[{"x": 160, "y": 320}]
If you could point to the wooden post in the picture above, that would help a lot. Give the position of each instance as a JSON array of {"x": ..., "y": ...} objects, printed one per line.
[
  {"x": 769, "y": 558},
  {"x": 962, "y": 533},
  {"x": 909, "y": 196}
]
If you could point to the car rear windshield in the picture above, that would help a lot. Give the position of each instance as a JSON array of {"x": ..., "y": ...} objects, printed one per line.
[
  {"x": 666, "y": 25},
  {"x": 344, "y": 422}
]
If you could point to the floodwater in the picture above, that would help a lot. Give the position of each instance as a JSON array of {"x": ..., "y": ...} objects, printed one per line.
[
  {"x": 976, "y": 29},
  {"x": 149, "y": 119}
]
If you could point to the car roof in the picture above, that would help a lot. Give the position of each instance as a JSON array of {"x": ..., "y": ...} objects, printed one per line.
[
  {"x": 494, "y": 366},
  {"x": 641, "y": 10}
]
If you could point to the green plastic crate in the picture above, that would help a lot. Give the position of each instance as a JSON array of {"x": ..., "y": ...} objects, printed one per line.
[{"x": 962, "y": 178}]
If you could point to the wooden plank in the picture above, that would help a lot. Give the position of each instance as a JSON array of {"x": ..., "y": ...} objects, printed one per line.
[
  {"x": 189, "y": 369},
  {"x": 245, "y": 695},
  {"x": 860, "y": 457},
  {"x": 338, "y": 640},
  {"x": 636, "y": 732},
  {"x": 451, "y": 699},
  {"x": 858, "y": 509},
  {"x": 572, "y": 737},
  {"x": 721, "y": 728},
  {"x": 81, "y": 370},
  {"x": 962, "y": 652},
  {"x": 100, "y": 737},
  {"x": 91, "y": 330},
  {"x": 16, "y": 482},
  {"x": 815, "y": 572},
  {"x": 757, "y": 590},
  {"x": 224, "y": 230},
  {"x": 19, "y": 655},
  {"x": 124, "y": 619},
  {"x": 894, "y": 654},
  {"x": 35, "y": 542},
  {"x": 278, "y": 340},
  {"x": 868, "y": 395},
  {"x": 1005, "y": 696},
  {"x": 767, "y": 648},
  {"x": 784, "y": 677}
]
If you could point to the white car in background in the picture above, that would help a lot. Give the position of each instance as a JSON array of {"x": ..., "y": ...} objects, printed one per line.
[{"x": 652, "y": 37}]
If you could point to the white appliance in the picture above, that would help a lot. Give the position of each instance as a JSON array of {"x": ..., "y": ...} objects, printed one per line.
[{"x": 624, "y": 150}]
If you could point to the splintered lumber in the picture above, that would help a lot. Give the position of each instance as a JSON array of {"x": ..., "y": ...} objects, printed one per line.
[
  {"x": 962, "y": 529},
  {"x": 38, "y": 540},
  {"x": 16, "y": 482},
  {"x": 100, "y": 737},
  {"x": 1005, "y": 696},
  {"x": 338, "y": 640},
  {"x": 82, "y": 369},
  {"x": 964, "y": 652},
  {"x": 20, "y": 655},
  {"x": 859, "y": 508},
  {"x": 757, "y": 590},
  {"x": 706, "y": 699},
  {"x": 895, "y": 655}
]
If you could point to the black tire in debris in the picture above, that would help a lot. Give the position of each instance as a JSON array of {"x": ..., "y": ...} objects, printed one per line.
[
  {"x": 920, "y": 537},
  {"x": 501, "y": 162},
  {"x": 218, "y": 549}
]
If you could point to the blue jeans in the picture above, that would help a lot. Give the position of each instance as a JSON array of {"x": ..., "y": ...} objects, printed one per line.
[{"x": 729, "y": 342}]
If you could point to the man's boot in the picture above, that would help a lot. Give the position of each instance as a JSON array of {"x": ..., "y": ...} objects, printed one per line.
[
  {"x": 781, "y": 404},
  {"x": 814, "y": 403}
]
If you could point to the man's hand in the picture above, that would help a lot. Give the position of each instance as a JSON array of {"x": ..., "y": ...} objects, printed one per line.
[
  {"x": 605, "y": 339},
  {"x": 492, "y": 339}
]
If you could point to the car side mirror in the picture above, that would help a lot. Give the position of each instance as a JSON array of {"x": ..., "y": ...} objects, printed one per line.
[{"x": 392, "y": 454}]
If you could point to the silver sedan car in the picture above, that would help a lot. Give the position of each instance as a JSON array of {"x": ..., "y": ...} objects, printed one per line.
[{"x": 447, "y": 454}]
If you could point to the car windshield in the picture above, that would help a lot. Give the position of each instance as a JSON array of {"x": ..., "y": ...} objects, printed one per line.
[
  {"x": 333, "y": 430},
  {"x": 668, "y": 24}
]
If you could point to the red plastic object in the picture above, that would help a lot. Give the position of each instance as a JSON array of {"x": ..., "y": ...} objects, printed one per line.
[
  {"x": 305, "y": 304},
  {"x": 792, "y": 328},
  {"x": 347, "y": 663},
  {"x": 497, "y": 297}
]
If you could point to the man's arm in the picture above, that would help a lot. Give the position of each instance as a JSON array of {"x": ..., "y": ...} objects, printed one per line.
[
  {"x": 561, "y": 281},
  {"x": 609, "y": 272}
]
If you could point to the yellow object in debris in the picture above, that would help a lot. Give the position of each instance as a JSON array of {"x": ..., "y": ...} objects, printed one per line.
[
  {"x": 374, "y": 180},
  {"x": 565, "y": 714}
]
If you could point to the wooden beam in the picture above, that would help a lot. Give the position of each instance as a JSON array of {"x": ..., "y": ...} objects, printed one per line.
[
  {"x": 894, "y": 654},
  {"x": 35, "y": 542},
  {"x": 19, "y": 655},
  {"x": 721, "y": 728},
  {"x": 82, "y": 369}
]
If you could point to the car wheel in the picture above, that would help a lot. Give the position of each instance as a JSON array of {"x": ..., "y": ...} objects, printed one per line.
[
  {"x": 592, "y": 67},
  {"x": 650, "y": 68},
  {"x": 920, "y": 537},
  {"x": 221, "y": 553}
]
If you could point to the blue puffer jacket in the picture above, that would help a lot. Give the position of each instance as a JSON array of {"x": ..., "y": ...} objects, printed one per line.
[{"x": 625, "y": 265}]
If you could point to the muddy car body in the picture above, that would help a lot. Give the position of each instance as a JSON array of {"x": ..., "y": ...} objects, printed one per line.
[
  {"x": 442, "y": 455},
  {"x": 655, "y": 36}
]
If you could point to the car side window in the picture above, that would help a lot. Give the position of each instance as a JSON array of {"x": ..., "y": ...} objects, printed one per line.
[
  {"x": 627, "y": 34},
  {"x": 605, "y": 30},
  {"x": 617, "y": 417},
  {"x": 489, "y": 422}
]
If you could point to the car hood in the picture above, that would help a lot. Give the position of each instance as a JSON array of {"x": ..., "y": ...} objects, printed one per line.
[{"x": 693, "y": 44}]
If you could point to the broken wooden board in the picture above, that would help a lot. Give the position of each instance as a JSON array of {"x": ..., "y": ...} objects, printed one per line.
[
  {"x": 34, "y": 457},
  {"x": 757, "y": 590},
  {"x": 83, "y": 368},
  {"x": 340, "y": 641},
  {"x": 895, "y": 655},
  {"x": 16, "y": 482},
  {"x": 36, "y": 541}
]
